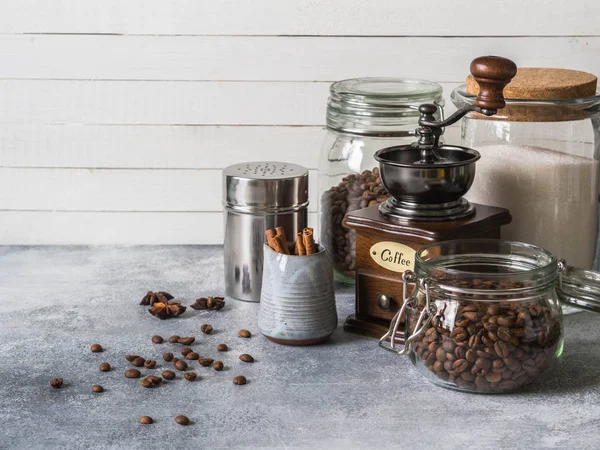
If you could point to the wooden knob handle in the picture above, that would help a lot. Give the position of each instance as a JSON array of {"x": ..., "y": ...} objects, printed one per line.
[{"x": 492, "y": 73}]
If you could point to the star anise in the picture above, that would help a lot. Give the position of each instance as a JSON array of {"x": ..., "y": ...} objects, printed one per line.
[
  {"x": 166, "y": 310},
  {"x": 154, "y": 297},
  {"x": 214, "y": 303}
]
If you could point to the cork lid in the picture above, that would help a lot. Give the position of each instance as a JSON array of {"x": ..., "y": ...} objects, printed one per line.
[{"x": 545, "y": 84}]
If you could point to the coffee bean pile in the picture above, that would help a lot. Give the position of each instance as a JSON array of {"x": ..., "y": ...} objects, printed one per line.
[
  {"x": 355, "y": 191},
  {"x": 488, "y": 346}
]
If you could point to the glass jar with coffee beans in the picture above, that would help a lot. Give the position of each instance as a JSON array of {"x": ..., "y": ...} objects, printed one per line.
[
  {"x": 363, "y": 116},
  {"x": 485, "y": 315}
]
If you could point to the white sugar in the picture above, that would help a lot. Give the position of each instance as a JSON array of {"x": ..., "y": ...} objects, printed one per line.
[{"x": 552, "y": 197}]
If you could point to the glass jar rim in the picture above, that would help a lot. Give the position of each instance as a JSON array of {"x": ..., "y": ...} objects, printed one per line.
[
  {"x": 498, "y": 260},
  {"x": 381, "y": 90},
  {"x": 378, "y": 106}
]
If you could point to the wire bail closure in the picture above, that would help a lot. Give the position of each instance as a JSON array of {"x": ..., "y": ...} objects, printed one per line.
[
  {"x": 561, "y": 268},
  {"x": 427, "y": 314}
]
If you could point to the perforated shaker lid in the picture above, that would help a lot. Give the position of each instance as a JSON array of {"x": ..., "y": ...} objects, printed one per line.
[{"x": 265, "y": 186}]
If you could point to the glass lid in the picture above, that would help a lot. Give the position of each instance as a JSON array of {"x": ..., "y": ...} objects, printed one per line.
[{"x": 379, "y": 106}]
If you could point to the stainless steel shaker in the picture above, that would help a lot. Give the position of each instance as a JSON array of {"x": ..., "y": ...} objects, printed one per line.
[{"x": 258, "y": 196}]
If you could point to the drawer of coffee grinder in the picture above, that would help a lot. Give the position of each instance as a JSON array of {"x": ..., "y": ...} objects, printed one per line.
[{"x": 379, "y": 297}]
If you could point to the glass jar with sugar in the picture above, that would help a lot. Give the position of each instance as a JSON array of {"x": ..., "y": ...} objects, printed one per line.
[{"x": 539, "y": 159}]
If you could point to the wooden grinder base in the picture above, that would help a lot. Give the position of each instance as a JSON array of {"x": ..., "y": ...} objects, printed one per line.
[{"x": 372, "y": 317}]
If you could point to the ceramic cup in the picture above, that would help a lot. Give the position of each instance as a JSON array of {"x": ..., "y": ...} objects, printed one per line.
[{"x": 297, "y": 302}]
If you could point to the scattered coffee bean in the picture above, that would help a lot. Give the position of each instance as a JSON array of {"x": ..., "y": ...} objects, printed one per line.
[
  {"x": 206, "y": 328},
  {"x": 150, "y": 381},
  {"x": 246, "y": 358},
  {"x": 205, "y": 362},
  {"x": 181, "y": 365},
  {"x": 130, "y": 358},
  {"x": 192, "y": 356},
  {"x": 96, "y": 348},
  {"x": 138, "y": 362},
  {"x": 97, "y": 388},
  {"x": 240, "y": 379},
  {"x": 222, "y": 348},
  {"x": 150, "y": 364},
  {"x": 132, "y": 373},
  {"x": 168, "y": 356},
  {"x": 175, "y": 359},
  {"x": 190, "y": 376},
  {"x": 244, "y": 333},
  {"x": 186, "y": 340},
  {"x": 182, "y": 420},
  {"x": 218, "y": 365},
  {"x": 157, "y": 339},
  {"x": 186, "y": 350},
  {"x": 146, "y": 420},
  {"x": 168, "y": 375},
  {"x": 214, "y": 303},
  {"x": 174, "y": 339},
  {"x": 56, "y": 383},
  {"x": 104, "y": 367}
]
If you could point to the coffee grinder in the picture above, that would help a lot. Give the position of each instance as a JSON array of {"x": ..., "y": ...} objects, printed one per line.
[{"x": 426, "y": 182}]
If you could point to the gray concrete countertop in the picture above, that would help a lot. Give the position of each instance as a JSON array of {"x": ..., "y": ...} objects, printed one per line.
[{"x": 347, "y": 393}]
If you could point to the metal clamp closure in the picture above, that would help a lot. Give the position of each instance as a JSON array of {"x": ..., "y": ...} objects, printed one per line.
[{"x": 428, "y": 312}]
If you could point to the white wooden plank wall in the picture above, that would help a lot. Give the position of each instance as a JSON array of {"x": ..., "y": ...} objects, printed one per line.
[{"x": 117, "y": 117}]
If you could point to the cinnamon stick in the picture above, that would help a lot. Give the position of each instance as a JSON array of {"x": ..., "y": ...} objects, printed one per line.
[
  {"x": 277, "y": 245},
  {"x": 281, "y": 236},
  {"x": 281, "y": 233},
  {"x": 308, "y": 241},
  {"x": 300, "y": 250}
]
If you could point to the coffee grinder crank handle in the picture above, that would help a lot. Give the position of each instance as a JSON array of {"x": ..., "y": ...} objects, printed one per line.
[{"x": 492, "y": 73}]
